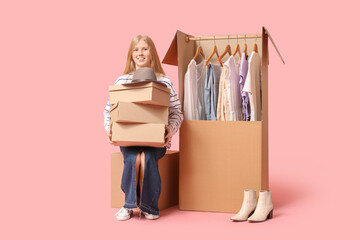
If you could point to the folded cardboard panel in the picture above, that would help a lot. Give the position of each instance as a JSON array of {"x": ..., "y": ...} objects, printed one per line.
[
  {"x": 126, "y": 112},
  {"x": 138, "y": 134},
  {"x": 218, "y": 161},
  {"x": 146, "y": 93},
  {"x": 169, "y": 173}
]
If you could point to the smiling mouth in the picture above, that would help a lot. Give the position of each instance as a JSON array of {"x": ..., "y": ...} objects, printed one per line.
[{"x": 141, "y": 59}]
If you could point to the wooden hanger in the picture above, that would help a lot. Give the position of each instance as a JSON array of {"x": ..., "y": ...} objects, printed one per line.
[
  {"x": 227, "y": 50},
  {"x": 199, "y": 50},
  {"x": 245, "y": 47},
  {"x": 214, "y": 51},
  {"x": 237, "y": 50},
  {"x": 255, "y": 49}
]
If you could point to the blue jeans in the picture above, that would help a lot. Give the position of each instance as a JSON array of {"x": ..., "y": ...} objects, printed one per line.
[{"x": 148, "y": 198}]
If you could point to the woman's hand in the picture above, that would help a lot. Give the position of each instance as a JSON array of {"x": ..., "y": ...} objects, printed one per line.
[
  {"x": 109, "y": 134},
  {"x": 167, "y": 135}
]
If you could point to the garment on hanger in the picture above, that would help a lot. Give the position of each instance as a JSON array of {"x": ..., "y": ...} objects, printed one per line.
[
  {"x": 217, "y": 72},
  {"x": 245, "y": 104},
  {"x": 200, "y": 84},
  {"x": 190, "y": 91},
  {"x": 233, "y": 89},
  {"x": 253, "y": 86},
  {"x": 222, "y": 112},
  {"x": 211, "y": 91},
  {"x": 194, "y": 82}
]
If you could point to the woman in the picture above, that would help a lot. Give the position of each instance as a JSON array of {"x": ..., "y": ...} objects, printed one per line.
[{"x": 142, "y": 53}]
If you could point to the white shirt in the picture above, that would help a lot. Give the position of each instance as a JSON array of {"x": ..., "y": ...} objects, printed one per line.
[
  {"x": 253, "y": 86},
  {"x": 194, "y": 82},
  {"x": 233, "y": 89}
]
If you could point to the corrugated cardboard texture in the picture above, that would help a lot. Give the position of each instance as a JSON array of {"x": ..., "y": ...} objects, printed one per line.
[
  {"x": 218, "y": 159},
  {"x": 169, "y": 173},
  {"x": 138, "y": 134},
  {"x": 149, "y": 93},
  {"x": 125, "y": 112}
]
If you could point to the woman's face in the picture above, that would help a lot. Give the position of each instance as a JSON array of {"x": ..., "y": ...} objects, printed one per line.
[{"x": 141, "y": 55}]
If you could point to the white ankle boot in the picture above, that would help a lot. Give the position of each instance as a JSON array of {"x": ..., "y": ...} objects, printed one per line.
[
  {"x": 264, "y": 208},
  {"x": 248, "y": 206}
]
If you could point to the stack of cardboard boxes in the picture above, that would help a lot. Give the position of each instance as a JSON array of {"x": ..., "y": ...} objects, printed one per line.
[{"x": 139, "y": 113}]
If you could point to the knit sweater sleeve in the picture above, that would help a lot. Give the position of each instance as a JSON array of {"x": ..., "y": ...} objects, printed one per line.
[{"x": 175, "y": 115}]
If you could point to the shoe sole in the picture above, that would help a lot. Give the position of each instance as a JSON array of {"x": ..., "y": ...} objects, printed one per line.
[
  {"x": 235, "y": 220},
  {"x": 126, "y": 218},
  {"x": 238, "y": 220},
  {"x": 122, "y": 219}
]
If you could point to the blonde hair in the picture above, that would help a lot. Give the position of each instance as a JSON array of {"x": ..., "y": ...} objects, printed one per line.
[{"x": 155, "y": 61}]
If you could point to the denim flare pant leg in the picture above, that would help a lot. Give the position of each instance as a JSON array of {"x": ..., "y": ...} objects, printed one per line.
[{"x": 151, "y": 186}]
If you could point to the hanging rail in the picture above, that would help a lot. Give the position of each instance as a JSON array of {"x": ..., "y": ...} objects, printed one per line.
[{"x": 240, "y": 36}]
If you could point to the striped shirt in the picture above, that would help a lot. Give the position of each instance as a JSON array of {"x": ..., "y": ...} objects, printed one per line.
[{"x": 175, "y": 114}]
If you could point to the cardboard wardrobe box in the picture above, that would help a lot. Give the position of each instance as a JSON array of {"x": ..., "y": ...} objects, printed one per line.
[
  {"x": 169, "y": 174},
  {"x": 155, "y": 93},
  {"x": 127, "y": 112},
  {"x": 138, "y": 134},
  {"x": 220, "y": 159}
]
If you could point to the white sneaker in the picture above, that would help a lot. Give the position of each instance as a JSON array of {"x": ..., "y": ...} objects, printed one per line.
[
  {"x": 123, "y": 214},
  {"x": 151, "y": 216}
]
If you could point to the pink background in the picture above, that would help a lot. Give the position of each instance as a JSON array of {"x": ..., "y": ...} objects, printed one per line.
[{"x": 58, "y": 59}]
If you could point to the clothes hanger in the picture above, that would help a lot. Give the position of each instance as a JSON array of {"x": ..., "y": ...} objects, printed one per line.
[
  {"x": 255, "y": 49},
  {"x": 227, "y": 50},
  {"x": 199, "y": 50},
  {"x": 214, "y": 51},
  {"x": 245, "y": 47},
  {"x": 237, "y": 49}
]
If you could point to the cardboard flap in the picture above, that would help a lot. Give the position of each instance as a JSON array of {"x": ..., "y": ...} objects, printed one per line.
[
  {"x": 114, "y": 106},
  {"x": 273, "y": 43},
  {"x": 159, "y": 86},
  {"x": 171, "y": 56}
]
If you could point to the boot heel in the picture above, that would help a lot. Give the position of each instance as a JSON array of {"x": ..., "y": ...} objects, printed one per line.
[
  {"x": 251, "y": 213},
  {"x": 270, "y": 215}
]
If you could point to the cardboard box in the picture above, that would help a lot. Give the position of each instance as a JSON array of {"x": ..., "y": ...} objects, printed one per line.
[
  {"x": 169, "y": 173},
  {"x": 126, "y": 112},
  {"x": 138, "y": 134},
  {"x": 219, "y": 159},
  {"x": 147, "y": 93}
]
